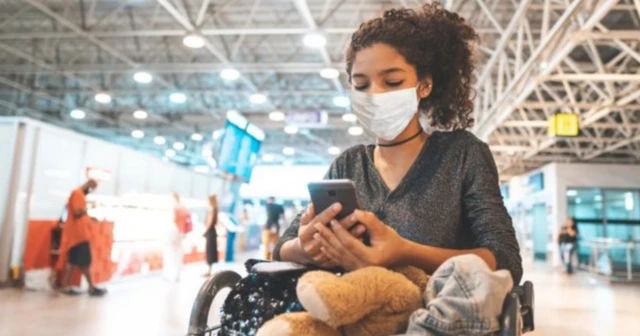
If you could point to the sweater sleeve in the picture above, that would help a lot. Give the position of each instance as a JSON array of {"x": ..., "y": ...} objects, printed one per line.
[
  {"x": 484, "y": 211},
  {"x": 292, "y": 231}
]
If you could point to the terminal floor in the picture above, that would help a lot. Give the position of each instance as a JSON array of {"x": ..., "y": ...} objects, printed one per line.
[{"x": 565, "y": 305}]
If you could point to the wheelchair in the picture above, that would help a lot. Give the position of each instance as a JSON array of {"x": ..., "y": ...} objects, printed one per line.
[{"x": 516, "y": 318}]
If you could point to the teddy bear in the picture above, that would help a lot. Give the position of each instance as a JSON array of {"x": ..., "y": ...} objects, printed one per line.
[{"x": 365, "y": 302}]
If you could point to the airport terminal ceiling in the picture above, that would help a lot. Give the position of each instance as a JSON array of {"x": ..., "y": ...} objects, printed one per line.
[{"x": 90, "y": 65}]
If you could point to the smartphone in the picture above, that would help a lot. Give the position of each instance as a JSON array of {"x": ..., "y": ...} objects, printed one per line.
[{"x": 325, "y": 193}]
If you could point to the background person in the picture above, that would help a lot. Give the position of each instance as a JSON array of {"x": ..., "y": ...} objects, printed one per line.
[
  {"x": 174, "y": 253},
  {"x": 210, "y": 233},
  {"x": 271, "y": 232},
  {"x": 75, "y": 239},
  {"x": 568, "y": 242}
]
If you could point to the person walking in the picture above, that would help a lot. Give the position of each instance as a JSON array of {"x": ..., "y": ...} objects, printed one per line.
[
  {"x": 210, "y": 233},
  {"x": 75, "y": 244},
  {"x": 271, "y": 232}
]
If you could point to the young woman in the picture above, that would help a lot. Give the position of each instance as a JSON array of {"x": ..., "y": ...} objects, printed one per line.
[
  {"x": 210, "y": 233},
  {"x": 425, "y": 197}
]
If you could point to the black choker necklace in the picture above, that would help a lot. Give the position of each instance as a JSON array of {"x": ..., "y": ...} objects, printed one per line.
[{"x": 403, "y": 141}]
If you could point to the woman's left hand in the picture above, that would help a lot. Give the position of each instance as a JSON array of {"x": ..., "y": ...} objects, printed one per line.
[{"x": 350, "y": 253}]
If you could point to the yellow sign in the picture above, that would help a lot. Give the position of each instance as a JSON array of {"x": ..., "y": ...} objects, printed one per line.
[{"x": 563, "y": 124}]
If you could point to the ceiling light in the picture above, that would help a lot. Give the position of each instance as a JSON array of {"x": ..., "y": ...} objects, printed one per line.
[
  {"x": 140, "y": 114},
  {"x": 178, "y": 97},
  {"x": 291, "y": 129},
  {"x": 257, "y": 98},
  {"x": 355, "y": 130},
  {"x": 142, "y": 77},
  {"x": 159, "y": 140},
  {"x": 334, "y": 150},
  {"x": 288, "y": 151},
  {"x": 196, "y": 137},
  {"x": 572, "y": 193},
  {"x": 170, "y": 153},
  {"x": 230, "y": 74},
  {"x": 217, "y": 134},
  {"x": 201, "y": 169},
  {"x": 349, "y": 117},
  {"x": 207, "y": 152},
  {"x": 329, "y": 73},
  {"x": 102, "y": 98},
  {"x": 77, "y": 114},
  {"x": 267, "y": 158},
  {"x": 341, "y": 101},
  {"x": 193, "y": 40},
  {"x": 138, "y": 134},
  {"x": 276, "y": 116},
  {"x": 178, "y": 146},
  {"x": 314, "y": 40}
]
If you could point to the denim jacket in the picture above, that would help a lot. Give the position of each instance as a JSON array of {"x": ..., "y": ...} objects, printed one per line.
[{"x": 463, "y": 297}]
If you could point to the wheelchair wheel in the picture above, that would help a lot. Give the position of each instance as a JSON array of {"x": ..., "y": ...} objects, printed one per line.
[{"x": 199, "y": 320}]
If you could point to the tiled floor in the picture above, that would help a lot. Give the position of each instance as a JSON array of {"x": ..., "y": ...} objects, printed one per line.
[{"x": 565, "y": 305}]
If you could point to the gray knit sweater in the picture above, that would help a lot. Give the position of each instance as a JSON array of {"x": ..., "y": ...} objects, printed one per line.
[{"x": 449, "y": 198}]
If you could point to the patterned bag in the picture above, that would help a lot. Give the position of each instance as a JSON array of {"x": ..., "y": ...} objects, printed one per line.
[{"x": 257, "y": 298}]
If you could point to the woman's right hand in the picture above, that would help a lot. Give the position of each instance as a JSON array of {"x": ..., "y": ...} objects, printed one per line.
[{"x": 309, "y": 245}]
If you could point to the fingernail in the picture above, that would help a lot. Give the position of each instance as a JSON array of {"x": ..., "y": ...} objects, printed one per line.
[
  {"x": 316, "y": 236},
  {"x": 334, "y": 223},
  {"x": 336, "y": 206},
  {"x": 318, "y": 226},
  {"x": 354, "y": 217}
]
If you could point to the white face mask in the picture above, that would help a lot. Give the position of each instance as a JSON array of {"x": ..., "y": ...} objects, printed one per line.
[{"x": 385, "y": 115}]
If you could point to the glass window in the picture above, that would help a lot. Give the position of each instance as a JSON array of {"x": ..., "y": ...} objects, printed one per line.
[
  {"x": 585, "y": 203},
  {"x": 622, "y": 204}
]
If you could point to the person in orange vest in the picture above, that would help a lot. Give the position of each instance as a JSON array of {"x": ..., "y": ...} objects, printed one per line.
[{"x": 75, "y": 246}]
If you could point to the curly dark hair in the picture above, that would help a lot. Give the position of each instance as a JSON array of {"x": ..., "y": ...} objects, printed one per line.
[{"x": 437, "y": 43}]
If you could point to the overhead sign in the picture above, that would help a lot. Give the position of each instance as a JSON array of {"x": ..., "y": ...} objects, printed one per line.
[
  {"x": 564, "y": 125},
  {"x": 307, "y": 118}
]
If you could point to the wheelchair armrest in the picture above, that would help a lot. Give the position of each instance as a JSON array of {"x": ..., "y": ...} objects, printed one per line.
[
  {"x": 278, "y": 267},
  {"x": 510, "y": 317},
  {"x": 527, "y": 305}
]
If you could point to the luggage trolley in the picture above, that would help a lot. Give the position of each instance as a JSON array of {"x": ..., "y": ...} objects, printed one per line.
[{"x": 516, "y": 319}]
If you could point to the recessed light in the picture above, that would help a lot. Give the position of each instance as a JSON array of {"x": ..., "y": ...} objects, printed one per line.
[
  {"x": 349, "y": 117},
  {"x": 102, "y": 98},
  {"x": 329, "y": 73},
  {"x": 159, "y": 140},
  {"x": 178, "y": 146},
  {"x": 138, "y": 134},
  {"x": 77, "y": 114},
  {"x": 267, "y": 158},
  {"x": 355, "y": 130},
  {"x": 207, "y": 152},
  {"x": 257, "y": 98},
  {"x": 230, "y": 74},
  {"x": 291, "y": 129},
  {"x": 193, "y": 40},
  {"x": 334, "y": 150},
  {"x": 288, "y": 151},
  {"x": 314, "y": 40},
  {"x": 196, "y": 137},
  {"x": 217, "y": 134},
  {"x": 170, "y": 153},
  {"x": 572, "y": 193},
  {"x": 142, "y": 77},
  {"x": 140, "y": 114},
  {"x": 341, "y": 101},
  {"x": 178, "y": 97},
  {"x": 276, "y": 116}
]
